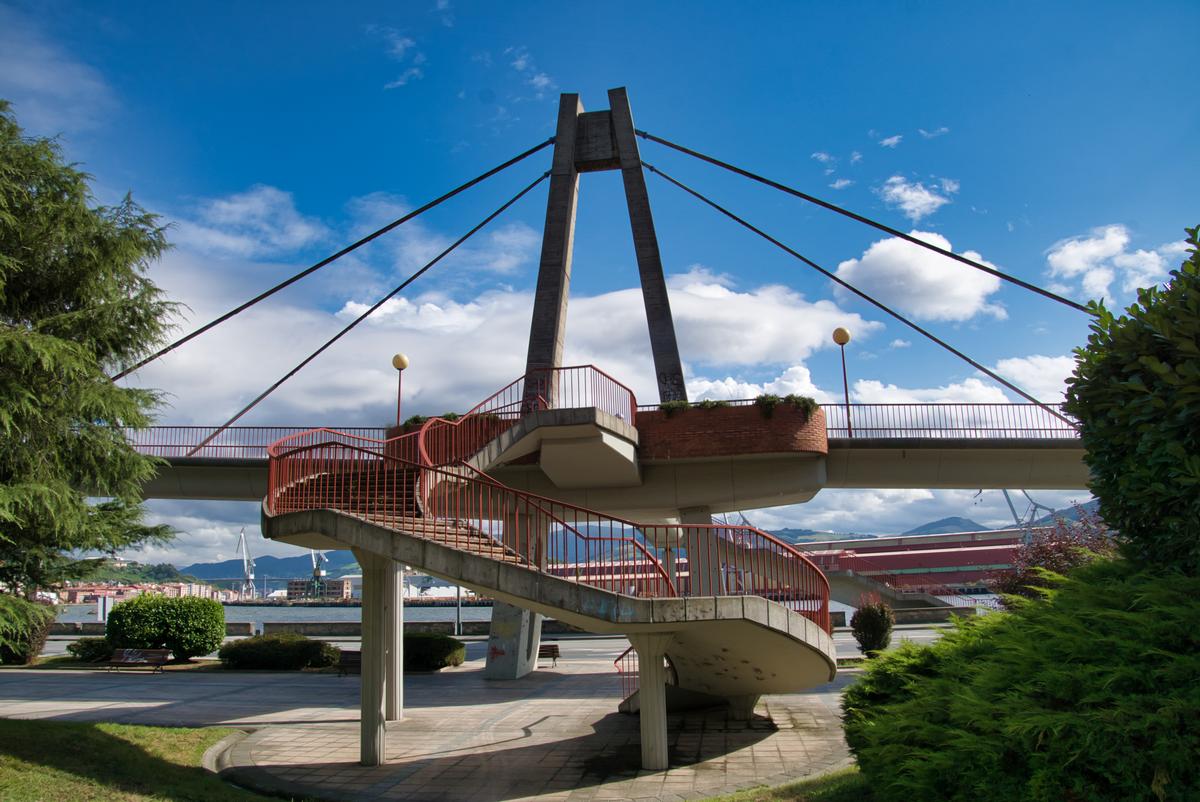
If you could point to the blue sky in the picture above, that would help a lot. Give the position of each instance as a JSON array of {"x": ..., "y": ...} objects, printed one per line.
[{"x": 1056, "y": 141}]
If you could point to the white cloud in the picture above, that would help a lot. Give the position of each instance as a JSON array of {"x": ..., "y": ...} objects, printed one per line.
[
  {"x": 521, "y": 60},
  {"x": 404, "y": 78},
  {"x": 971, "y": 390},
  {"x": 1102, "y": 257},
  {"x": 914, "y": 199},
  {"x": 51, "y": 90},
  {"x": 823, "y": 157},
  {"x": 942, "y": 131},
  {"x": 855, "y": 157},
  {"x": 891, "y": 141},
  {"x": 898, "y": 343},
  {"x": 841, "y": 183},
  {"x": 541, "y": 82},
  {"x": 796, "y": 379},
  {"x": 262, "y": 221},
  {"x": 442, "y": 7},
  {"x": 921, "y": 283},
  {"x": 1043, "y": 377}
]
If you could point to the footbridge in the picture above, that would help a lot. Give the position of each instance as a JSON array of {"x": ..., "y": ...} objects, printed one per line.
[{"x": 561, "y": 494}]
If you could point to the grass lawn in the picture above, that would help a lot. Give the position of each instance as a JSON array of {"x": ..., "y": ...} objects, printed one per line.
[
  {"x": 48, "y": 761},
  {"x": 846, "y": 785}
]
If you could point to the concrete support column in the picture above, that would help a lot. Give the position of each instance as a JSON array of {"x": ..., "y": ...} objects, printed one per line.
[
  {"x": 705, "y": 552},
  {"x": 393, "y": 597},
  {"x": 652, "y": 697},
  {"x": 741, "y": 708},
  {"x": 515, "y": 633},
  {"x": 372, "y": 683}
]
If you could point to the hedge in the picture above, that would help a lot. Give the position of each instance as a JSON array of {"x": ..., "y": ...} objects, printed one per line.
[
  {"x": 1090, "y": 693},
  {"x": 284, "y": 651},
  {"x": 188, "y": 626},
  {"x": 90, "y": 650},
  {"x": 429, "y": 651},
  {"x": 24, "y": 627}
]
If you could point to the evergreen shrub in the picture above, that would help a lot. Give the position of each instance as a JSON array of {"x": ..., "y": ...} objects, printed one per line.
[
  {"x": 188, "y": 626},
  {"x": 24, "y": 627},
  {"x": 90, "y": 650},
  {"x": 872, "y": 625},
  {"x": 1091, "y": 692},
  {"x": 285, "y": 651},
  {"x": 1136, "y": 394},
  {"x": 430, "y": 651}
]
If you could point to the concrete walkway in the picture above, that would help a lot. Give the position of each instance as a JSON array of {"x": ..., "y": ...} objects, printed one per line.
[{"x": 553, "y": 735}]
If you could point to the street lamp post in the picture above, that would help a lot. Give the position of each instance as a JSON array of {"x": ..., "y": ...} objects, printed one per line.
[
  {"x": 399, "y": 362},
  {"x": 841, "y": 336}
]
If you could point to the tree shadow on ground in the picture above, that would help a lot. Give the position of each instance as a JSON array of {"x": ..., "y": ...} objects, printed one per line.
[{"x": 109, "y": 761}]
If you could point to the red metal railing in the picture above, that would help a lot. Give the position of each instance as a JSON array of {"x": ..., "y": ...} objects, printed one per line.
[
  {"x": 236, "y": 442},
  {"x": 448, "y": 442},
  {"x": 470, "y": 511}
]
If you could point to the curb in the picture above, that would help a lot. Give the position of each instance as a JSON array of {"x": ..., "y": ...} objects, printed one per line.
[{"x": 215, "y": 759}]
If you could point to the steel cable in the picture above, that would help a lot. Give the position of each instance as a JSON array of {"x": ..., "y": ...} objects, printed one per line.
[
  {"x": 374, "y": 307},
  {"x": 330, "y": 259},
  {"x": 833, "y": 207},
  {"x": 833, "y": 277}
]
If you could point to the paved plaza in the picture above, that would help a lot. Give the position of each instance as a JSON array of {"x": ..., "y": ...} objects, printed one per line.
[{"x": 552, "y": 735}]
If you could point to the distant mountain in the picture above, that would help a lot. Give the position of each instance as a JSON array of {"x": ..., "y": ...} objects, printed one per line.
[
  {"x": 814, "y": 535},
  {"x": 946, "y": 526},
  {"x": 1069, "y": 513},
  {"x": 274, "y": 567}
]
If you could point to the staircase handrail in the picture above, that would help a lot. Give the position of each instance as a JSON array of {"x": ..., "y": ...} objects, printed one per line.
[{"x": 815, "y": 586}]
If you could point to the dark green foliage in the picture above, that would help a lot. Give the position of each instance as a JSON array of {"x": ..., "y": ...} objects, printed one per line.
[
  {"x": 768, "y": 401},
  {"x": 428, "y": 651},
  {"x": 90, "y": 650},
  {"x": 872, "y": 626},
  {"x": 450, "y": 416},
  {"x": 1091, "y": 693},
  {"x": 285, "y": 651},
  {"x": 711, "y": 403},
  {"x": 669, "y": 408},
  {"x": 415, "y": 420},
  {"x": 1060, "y": 549},
  {"x": 24, "y": 627},
  {"x": 1136, "y": 394},
  {"x": 75, "y": 305},
  {"x": 188, "y": 626}
]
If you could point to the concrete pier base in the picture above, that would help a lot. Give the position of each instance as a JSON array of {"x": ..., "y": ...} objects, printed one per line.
[
  {"x": 393, "y": 597},
  {"x": 741, "y": 708},
  {"x": 652, "y": 694},
  {"x": 512, "y": 642}
]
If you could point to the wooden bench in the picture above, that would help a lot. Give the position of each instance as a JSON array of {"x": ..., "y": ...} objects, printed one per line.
[
  {"x": 548, "y": 651},
  {"x": 154, "y": 659},
  {"x": 349, "y": 662}
]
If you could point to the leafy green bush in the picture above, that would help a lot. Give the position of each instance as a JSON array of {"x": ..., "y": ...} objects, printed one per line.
[
  {"x": 24, "y": 627},
  {"x": 1090, "y": 693},
  {"x": 285, "y": 651},
  {"x": 1136, "y": 394},
  {"x": 429, "y": 651},
  {"x": 669, "y": 408},
  {"x": 872, "y": 626},
  {"x": 188, "y": 626},
  {"x": 711, "y": 403},
  {"x": 90, "y": 650},
  {"x": 768, "y": 401}
]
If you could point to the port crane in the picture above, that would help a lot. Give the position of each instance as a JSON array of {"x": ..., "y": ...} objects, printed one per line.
[
  {"x": 248, "y": 591},
  {"x": 316, "y": 586}
]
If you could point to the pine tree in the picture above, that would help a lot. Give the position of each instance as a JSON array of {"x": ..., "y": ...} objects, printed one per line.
[{"x": 75, "y": 305}]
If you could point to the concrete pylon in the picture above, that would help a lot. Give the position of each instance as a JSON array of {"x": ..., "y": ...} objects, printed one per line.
[
  {"x": 373, "y": 680},
  {"x": 590, "y": 142},
  {"x": 652, "y": 697}
]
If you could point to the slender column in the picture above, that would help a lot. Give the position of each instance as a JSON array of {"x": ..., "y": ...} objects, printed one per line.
[
  {"x": 548, "y": 328},
  {"x": 515, "y": 633},
  {"x": 372, "y": 728},
  {"x": 705, "y": 551},
  {"x": 393, "y": 597},
  {"x": 645, "y": 244},
  {"x": 652, "y": 697}
]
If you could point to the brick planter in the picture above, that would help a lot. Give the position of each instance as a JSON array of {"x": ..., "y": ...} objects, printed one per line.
[{"x": 729, "y": 431}]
